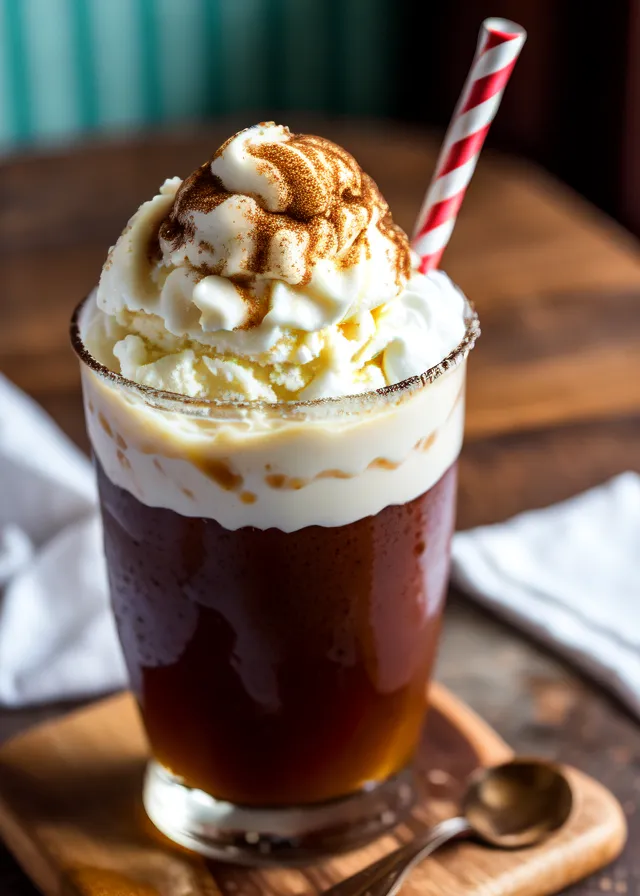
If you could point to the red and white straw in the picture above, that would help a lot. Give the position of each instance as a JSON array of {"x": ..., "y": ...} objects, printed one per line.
[{"x": 499, "y": 45}]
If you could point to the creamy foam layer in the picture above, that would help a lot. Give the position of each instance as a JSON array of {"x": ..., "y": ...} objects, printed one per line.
[{"x": 267, "y": 470}]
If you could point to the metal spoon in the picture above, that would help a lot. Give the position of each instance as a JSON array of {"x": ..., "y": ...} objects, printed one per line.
[{"x": 511, "y": 806}]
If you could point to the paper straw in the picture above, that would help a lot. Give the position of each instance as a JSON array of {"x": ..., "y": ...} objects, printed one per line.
[{"x": 499, "y": 45}]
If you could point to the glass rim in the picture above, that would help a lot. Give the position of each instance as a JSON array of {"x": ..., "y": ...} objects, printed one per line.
[{"x": 168, "y": 400}]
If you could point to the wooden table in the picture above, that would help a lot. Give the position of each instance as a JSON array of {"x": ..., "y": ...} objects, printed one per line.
[{"x": 554, "y": 391}]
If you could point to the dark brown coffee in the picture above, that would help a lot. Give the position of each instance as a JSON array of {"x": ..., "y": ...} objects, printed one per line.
[{"x": 280, "y": 668}]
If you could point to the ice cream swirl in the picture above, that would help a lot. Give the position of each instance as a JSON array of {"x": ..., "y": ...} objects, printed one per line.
[
  {"x": 272, "y": 205},
  {"x": 273, "y": 272}
]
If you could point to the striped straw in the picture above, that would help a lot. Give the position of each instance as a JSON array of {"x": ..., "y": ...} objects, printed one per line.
[{"x": 499, "y": 45}]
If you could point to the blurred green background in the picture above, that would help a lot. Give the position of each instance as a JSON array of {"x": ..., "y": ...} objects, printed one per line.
[
  {"x": 69, "y": 67},
  {"x": 76, "y": 69}
]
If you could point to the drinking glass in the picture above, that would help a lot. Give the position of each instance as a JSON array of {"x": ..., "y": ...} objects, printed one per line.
[{"x": 277, "y": 574}]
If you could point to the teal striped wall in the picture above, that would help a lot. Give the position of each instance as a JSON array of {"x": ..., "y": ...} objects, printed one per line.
[{"x": 74, "y": 66}]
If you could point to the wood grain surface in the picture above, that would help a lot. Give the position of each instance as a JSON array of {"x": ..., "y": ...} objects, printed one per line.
[
  {"x": 554, "y": 391},
  {"x": 71, "y": 811}
]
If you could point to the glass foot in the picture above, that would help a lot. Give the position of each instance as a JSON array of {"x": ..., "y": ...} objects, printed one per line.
[{"x": 281, "y": 835}]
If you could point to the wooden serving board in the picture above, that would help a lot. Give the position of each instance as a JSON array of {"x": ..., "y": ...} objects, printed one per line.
[{"x": 70, "y": 810}]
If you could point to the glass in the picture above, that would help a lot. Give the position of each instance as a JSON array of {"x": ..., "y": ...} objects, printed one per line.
[{"x": 280, "y": 643}]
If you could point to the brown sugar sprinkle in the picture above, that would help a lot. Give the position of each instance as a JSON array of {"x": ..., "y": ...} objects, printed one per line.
[{"x": 325, "y": 205}]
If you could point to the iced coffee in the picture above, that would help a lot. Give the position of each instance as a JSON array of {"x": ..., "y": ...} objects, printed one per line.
[{"x": 275, "y": 399}]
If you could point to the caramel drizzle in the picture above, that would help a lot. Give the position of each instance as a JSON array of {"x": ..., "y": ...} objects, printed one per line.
[
  {"x": 294, "y": 483},
  {"x": 123, "y": 460},
  {"x": 221, "y": 471},
  {"x": 104, "y": 423}
]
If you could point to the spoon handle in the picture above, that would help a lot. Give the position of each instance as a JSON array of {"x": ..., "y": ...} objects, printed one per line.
[{"x": 385, "y": 876}]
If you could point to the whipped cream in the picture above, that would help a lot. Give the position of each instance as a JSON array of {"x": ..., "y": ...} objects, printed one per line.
[{"x": 274, "y": 272}]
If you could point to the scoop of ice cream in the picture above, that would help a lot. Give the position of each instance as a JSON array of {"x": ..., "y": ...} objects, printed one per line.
[
  {"x": 273, "y": 272},
  {"x": 284, "y": 207}
]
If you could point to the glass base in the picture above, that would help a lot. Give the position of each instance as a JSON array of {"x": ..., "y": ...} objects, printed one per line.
[{"x": 280, "y": 835}]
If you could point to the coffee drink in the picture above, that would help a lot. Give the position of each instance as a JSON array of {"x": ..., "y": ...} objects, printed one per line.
[
  {"x": 280, "y": 668},
  {"x": 275, "y": 400}
]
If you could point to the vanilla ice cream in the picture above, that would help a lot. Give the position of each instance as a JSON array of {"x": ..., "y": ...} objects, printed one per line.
[{"x": 273, "y": 272}]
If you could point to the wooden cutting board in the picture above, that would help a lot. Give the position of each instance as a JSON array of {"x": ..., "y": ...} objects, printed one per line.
[{"x": 70, "y": 810}]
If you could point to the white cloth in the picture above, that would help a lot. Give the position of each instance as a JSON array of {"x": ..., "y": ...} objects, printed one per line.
[
  {"x": 57, "y": 637},
  {"x": 570, "y": 575}
]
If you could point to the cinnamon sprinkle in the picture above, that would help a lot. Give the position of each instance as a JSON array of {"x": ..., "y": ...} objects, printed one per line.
[{"x": 325, "y": 205}]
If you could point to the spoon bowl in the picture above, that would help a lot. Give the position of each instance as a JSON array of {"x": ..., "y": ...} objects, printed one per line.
[{"x": 517, "y": 804}]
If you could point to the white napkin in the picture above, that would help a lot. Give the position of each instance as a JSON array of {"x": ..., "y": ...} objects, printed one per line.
[
  {"x": 57, "y": 638},
  {"x": 570, "y": 575}
]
